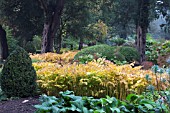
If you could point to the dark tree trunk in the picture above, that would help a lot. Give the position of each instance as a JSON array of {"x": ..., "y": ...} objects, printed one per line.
[
  {"x": 80, "y": 44},
  {"x": 58, "y": 45},
  {"x": 142, "y": 25},
  {"x": 51, "y": 26},
  {"x": 141, "y": 42},
  {"x": 71, "y": 46},
  {"x": 4, "y": 45}
]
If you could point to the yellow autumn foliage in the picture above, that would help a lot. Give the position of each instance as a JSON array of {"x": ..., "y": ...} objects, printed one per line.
[
  {"x": 97, "y": 78},
  {"x": 55, "y": 58}
]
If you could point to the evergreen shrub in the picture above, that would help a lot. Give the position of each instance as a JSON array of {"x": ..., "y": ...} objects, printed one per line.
[
  {"x": 105, "y": 51},
  {"x": 18, "y": 78}
]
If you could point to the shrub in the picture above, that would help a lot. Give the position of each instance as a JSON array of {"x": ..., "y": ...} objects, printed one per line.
[
  {"x": 104, "y": 50},
  {"x": 155, "y": 49},
  {"x": 130, "y": 53},
  {"x": 63, "y": 58},
  {"x": 118, "y": 41},
  {"x": 37, "y": 42},
  {"x": 30, "y": 48},
  {"x": 18, "y": 77},
  {"x": 97, "y": 78}
]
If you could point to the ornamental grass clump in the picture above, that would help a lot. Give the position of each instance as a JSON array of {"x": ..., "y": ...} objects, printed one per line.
[{"x": 18, "y": 78}]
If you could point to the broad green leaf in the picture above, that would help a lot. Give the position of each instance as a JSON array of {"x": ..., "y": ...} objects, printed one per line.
[
  {"x": 131, "y": 97},
  {"x": 115, "y": 109},
  {"x": 41, "y": 107},
  {"x": 149, "y": 106}
]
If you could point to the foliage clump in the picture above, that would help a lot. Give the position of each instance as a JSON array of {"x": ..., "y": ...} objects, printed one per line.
[
  {"x": 18, "y": 78},
  {"x": 114, "y": 53},
  {"x": 30, "y": 48},
  {"x": 62, "y": 59},
  {"x": 104, "y": 50},
  {"x": 97, "y": 78},
  {"x": 131, "y": 54},
  {"x": 69, "y": 103},
  {"x": 118, "y": 41}
]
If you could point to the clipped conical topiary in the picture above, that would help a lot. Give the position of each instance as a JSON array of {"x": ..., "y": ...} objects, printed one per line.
[{"x": 18, "y": 78}]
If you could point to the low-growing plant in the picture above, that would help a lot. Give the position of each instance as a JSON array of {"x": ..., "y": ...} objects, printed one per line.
[
  {"x": 156, "y": 49},
  {"x": 62, "y": 59},
  {"x": 68, "y": 103},
  {"x": 158, "y": 93},
  {"x": 87, "y": 58},
  {"x": 97, "y": 78}
]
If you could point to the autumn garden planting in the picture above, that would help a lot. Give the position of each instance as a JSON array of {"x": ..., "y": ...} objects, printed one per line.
[
  {"x": 97, "y": 79},
  {"x": 84, "y": 56}
]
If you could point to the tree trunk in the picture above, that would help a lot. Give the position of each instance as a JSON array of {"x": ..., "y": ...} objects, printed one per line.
[
  {"x": 71, "y": 46},
  {"x": 141, "y": 42},
  {"x": 80, "y": 44},
  {"x": 142, "y": 25},
  {"x": 58, "y": 44},
  {"x": 50, "y": 27},
  {"x": 4, "y": 45}
]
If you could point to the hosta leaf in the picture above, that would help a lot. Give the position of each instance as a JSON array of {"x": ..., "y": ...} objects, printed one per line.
[
  {"x": 131, "y": 97},
  {"x": 85, "y": 110},
  {"x": 99, "y": 111},
  {"x": 141, "y": 108},
  {"x": 149, "y": 106},
  {"x": 55, "y": 109},
  {"x": 115, "y": 109},
  {"x": 103, "y": 101},
  {"x": 41, "y": 107},
  {"x": 123, "y": 108}
]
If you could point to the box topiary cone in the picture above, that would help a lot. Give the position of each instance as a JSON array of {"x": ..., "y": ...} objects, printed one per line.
[{"x": 18, "y": 77}]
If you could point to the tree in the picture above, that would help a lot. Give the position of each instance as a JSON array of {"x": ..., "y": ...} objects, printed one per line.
[
  {"x": 142, "y": 26},
  {"x": 77, "y": 16},
  {"x": 52, "y": 14},
  {"x": 3, "y": 41},
  {"x": 24, "y": 17}
]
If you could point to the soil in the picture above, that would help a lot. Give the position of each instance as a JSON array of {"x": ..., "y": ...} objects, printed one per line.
[{"x": 22, "y": 105}]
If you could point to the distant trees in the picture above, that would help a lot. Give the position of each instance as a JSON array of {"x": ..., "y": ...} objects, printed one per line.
[
  {"x": 25, "y": 17},
  {"x": 56, "y": 20},
  {"x": 52, "y": 10}
]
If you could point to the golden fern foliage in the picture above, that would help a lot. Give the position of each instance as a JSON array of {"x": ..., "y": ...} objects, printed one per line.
[{"x": 97, "y": 78}]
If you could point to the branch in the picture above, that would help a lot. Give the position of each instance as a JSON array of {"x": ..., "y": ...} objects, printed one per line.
[{"x": 43, "y": 6}]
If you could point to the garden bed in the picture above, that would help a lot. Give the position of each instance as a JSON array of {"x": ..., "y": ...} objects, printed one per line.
[{"x": 22, "y": 105}]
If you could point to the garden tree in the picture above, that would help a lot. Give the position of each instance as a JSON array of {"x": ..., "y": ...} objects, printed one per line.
[
  {"x": 147, "y": 11},
  {"x": 118, "y": 15},
  {"x": 25, "y": 17},
  {"x": 52, "y": 15},
  {"x": 132, "y": 12},
  {"x": 77, "y": 16},
  {"x": 142, "y": 25},
  {"x": 4, "y": 45},
  {"x": 97, "y": 31}
]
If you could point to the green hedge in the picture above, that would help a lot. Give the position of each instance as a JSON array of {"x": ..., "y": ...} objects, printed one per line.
[
  {"x": 130, "y": 53},
  {"x": 118, "y": 53},
  {"x": 104, "y": 50}
]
